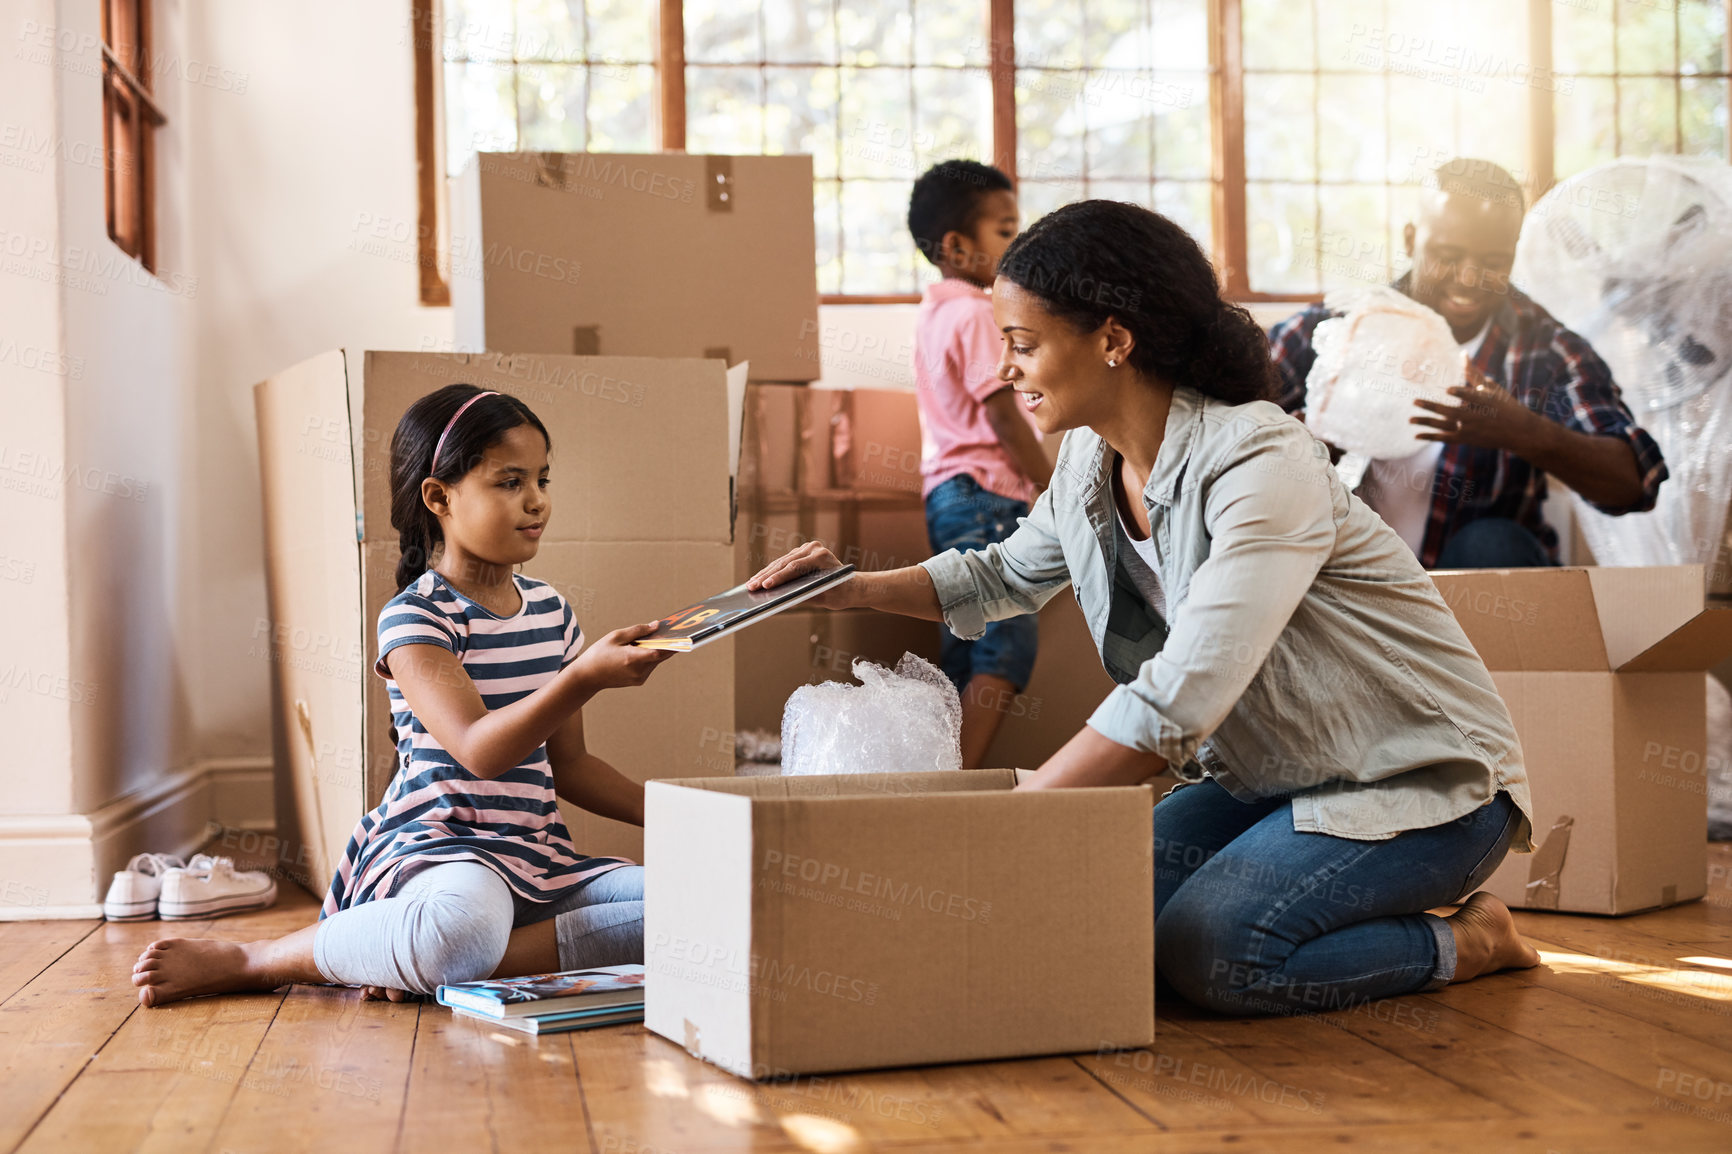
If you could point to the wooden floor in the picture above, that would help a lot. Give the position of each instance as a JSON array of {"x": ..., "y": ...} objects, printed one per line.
[{"x": 1622, "y": 1041}]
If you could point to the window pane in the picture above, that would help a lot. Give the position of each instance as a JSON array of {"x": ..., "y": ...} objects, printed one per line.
[
  {"x": 878, "y": 255},
  {"x": 1181, "y": 35},
  {"x": 877, "y": 123},
  {"x": 953, "y": 109},
  {"x": 1645, "y": 32},
  {"x": 1129, "y": 191},
  {"x": 1702, "y": 116},
  {"x": 1190, "y": 205},
  {"x": 478, "y": 29},
  {"x": 1279, "y": 133},
  {"x": 1350, "y": 35},
  {"x": 954, "y": 34},
  {"x": 1116, "y": 36},
  {"x": 1701, "y": 35},
  {"x": 876, "y": 32},
  {"x": 1582, "y": 37},
  {"x": 827, "y": 207},
  {"x": 480, "y": 112},
  {"x": 1283, "y": 231},
  {"x": 1049, "y": 33},
  {"x": 550, "y": 100},
  {"x": 1184, "y": 133},
  {"x": 549, "y": 30},
  {"x": 1647, "y": 116},
  {"x": 1352, "y": 247},
  {"x": 1586, "y": 126},
  {"x": 619, "y": 107},
  {"x": 800, "y": 115},
  {"x": 1277, "y": 34},
  {"x": 719, "y": 32},
  {"x": 621, "y": 31},
  {"x": 1049, "y": 124},
  {"x": 1350, "y": 127},
  {"x": 1489, "y": 131},
  {"x": 1036, "y": 198},
  {"x": 798, "y": 32},
  {"x": 724, "y": 110},
  {"x": 1120, "y": 126}
]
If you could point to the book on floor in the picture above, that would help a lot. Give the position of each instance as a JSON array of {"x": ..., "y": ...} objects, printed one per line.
[
  {"x": 605, "y": 987},
  {"x": 737, "y": 608},
  {"x": 558, "y": 1023}
]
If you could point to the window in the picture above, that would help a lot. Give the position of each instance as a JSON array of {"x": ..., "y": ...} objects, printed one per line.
[
  {"x": 1638, "y": 78},
  {"x": 1112, "y": 101},
  {"x": 1288, "y": 136},
  {"x": 1347, "y": 105},
  {"x": 130, "y": 117},
  {"x": 875, "y": 91}
]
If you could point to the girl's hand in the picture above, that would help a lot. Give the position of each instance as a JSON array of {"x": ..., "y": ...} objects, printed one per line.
[
  {"x": 614, "y": 662},
  {"x": 808, "y": 558}
]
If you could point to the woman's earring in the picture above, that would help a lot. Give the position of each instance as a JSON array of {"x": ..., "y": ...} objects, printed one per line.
[{"x": 1112, "y": 362}]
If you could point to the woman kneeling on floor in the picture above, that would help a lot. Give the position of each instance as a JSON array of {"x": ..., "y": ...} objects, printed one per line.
[{"x": 1349, "y": 763}]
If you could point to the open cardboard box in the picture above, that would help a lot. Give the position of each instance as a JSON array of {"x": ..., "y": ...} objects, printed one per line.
[
  {"x": 630, "y": 539},
  {"x": 655, "y": 255},
  {"x": 1602, "y": 670},
  {"x": 812, "y": 924}
]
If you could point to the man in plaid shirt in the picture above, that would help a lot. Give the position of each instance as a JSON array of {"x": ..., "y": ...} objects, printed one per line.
[{"x": 1537, "y": 398}]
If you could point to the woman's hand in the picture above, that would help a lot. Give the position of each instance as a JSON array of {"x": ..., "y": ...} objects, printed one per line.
[
  {"x": 808, "y": 558},
  {"x": 613, "y": 662}
]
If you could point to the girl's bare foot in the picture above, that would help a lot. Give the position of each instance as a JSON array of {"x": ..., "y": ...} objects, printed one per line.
[
  {"x": 1486, "y": 939},
  {"x": 176, "y": 968}
]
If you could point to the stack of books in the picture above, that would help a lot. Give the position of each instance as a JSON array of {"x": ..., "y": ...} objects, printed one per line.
[{"x": 551, "y": 1003}]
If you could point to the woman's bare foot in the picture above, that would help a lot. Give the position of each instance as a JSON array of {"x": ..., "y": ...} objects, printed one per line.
[{"x": 1486, "y": 939}]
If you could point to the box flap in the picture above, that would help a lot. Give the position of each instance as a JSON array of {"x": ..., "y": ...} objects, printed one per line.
[
  {"x": 1700, "y": 643},
  {"x": 1527, "y": 618},
  {"x": 1642, "y": 607},
  {"x": 313, "y": 579}
]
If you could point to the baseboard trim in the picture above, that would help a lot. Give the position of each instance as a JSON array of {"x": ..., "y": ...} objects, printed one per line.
[{"x": 58, "y": 865}]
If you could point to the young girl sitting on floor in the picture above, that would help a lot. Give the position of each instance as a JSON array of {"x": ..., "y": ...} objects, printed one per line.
[{"x": 465, "y": 870}]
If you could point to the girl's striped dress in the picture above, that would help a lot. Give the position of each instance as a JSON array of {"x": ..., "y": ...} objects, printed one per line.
[{"x": 435, "y": 810}]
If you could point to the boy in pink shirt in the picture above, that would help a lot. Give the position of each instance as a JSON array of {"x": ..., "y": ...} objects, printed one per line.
[{"x": 981, "y": 459}]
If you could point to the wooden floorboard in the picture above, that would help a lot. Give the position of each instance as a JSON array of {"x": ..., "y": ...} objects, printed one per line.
[{"x": 1621, "y": 1042}]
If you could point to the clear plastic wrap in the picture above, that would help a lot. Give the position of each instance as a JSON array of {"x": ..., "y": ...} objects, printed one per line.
[
  {"x": 1636, "y": 257},
  {"x": 1385, "y": 351},
  {"x": 905, "y": 720}
]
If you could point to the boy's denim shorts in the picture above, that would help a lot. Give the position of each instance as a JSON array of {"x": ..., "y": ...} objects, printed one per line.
[{"x": 962, "y": 515}]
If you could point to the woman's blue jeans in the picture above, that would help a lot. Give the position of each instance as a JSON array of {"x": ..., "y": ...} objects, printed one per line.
[{"x": 1254, "y": 918}]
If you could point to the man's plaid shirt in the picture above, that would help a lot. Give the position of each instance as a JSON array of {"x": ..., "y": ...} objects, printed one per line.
[{"x": 1546, "y": 367}]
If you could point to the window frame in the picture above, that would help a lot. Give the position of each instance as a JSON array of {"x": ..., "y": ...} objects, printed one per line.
[
  {"x": 130, "y": 118},
  {"x": 1230, "y": 241}
]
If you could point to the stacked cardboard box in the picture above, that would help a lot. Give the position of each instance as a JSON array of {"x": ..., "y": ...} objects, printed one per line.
[
  {"x": 1602, "y": 669},
  {"x": 629, "y": 537}
]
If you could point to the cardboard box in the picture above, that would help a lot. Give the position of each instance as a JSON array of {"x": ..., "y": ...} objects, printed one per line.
[
  {"x": 1602, "y": 671},
  {"x": 814, "y": 924},
  {"x": 808, "y": 646},
  {"x": 655, "y": 255},
  {"x": 630, "y": 539}
]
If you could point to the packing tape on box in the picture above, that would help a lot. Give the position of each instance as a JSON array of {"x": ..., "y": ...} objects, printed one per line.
[{"x": 1543, "y": 889}]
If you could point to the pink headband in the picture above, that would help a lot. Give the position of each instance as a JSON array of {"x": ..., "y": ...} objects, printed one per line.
[{"x": 453, "y": 421}]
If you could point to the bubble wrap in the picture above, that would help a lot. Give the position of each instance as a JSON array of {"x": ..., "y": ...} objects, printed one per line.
[
  {"x": 1373, "y": 362},
  {"x": 904, "y": 721},
  {"x": 1636, "y": 257}
]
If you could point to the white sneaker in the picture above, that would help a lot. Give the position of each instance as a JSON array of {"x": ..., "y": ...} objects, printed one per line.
[
  {"x": 210, "y": 887},
  {"x": 132, "y": 895}
]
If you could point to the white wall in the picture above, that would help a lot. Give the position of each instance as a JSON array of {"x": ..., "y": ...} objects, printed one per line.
[{"x": 292, "y": 179}]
